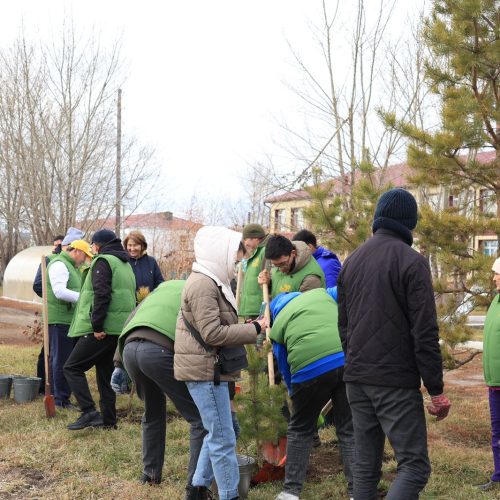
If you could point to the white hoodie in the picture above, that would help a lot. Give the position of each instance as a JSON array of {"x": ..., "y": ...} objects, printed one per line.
[{"x": 215, "y": 249}]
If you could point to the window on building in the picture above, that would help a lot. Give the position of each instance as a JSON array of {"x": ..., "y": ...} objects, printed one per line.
[
  {"x": 297, "y": 219},
  {"x": 487, "y": 201},
  {"x": 489, "y": 247},
  {"x": 279, "y": 220},
  {"x": 434, "y": 201},
  {"x": 451, "y": 201}
]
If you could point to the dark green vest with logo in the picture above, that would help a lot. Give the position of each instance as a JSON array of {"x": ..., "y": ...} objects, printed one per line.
[
  {"x": 122, "y": 299},
  {"x": 159, "y": 311},
  {"x": 61, "y": 312},
  {"x": 291, "y": 282},
  {"x": 251, "y": 294}
]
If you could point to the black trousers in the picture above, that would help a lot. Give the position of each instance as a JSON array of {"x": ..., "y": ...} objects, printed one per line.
[
  {"x": 89, "y": 352},
  {"x": 151, "y": 367},
  {"x": 397, "y": 413},
  {"x": 308, "y": 399}
]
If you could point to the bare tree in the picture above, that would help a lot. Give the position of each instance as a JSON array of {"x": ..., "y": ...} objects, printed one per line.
[
  {"x": 342, "y": 128},
  {"x": 57, "y": 130}
]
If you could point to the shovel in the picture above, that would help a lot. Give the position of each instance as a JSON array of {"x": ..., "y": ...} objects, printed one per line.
[
  {"x": 48, "y": 399},
  {"x": 267, "y": 313}
]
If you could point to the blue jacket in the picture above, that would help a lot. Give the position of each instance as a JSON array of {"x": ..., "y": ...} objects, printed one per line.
[
  {"x": 330, "y": 264},
  {"x": 147, "y": 273}
]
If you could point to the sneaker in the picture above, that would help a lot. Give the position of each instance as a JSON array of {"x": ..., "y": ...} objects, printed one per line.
[
  {"x": 88, "y": 419},
  {"x": 490, "y": 485},
  {"x": 286, "y": 496}
]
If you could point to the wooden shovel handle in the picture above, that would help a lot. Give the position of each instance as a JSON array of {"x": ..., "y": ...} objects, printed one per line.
[
  {"x": 48, "y": 400},
  {"x": 267, "y": 314}
]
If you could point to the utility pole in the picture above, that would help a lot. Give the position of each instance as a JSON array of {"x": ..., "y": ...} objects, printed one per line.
[{"x": 118, "y": 219}]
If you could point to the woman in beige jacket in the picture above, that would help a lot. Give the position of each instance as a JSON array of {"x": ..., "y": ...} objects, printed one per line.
[{"x": 209, "y": 306}]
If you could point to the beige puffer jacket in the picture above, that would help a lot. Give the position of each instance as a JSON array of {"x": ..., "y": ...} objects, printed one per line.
[
  {"x": 209, "y": 305},
  {"x": 205, "y": 307}
]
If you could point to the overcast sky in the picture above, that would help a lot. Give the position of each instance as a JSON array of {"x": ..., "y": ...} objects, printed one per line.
[{"x": 205, "y": 79}]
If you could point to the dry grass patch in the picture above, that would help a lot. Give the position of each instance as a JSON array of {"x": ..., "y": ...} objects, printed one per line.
[{"x": 39, "y": 458}]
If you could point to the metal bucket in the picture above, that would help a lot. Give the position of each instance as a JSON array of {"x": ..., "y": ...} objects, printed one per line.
[
  {"x": 246, "y": 465},
  {"x": 5, "y": 385},
  {"x": 26, "y": 388}
]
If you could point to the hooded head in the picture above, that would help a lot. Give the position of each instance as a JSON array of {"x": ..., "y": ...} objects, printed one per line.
[
  {"x": 215, "y": 250},
  {"x": 280, "y": 301}
]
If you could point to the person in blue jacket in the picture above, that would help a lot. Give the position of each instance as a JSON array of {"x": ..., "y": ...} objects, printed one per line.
[
  {"x": 328, "y": 261},
  {"x": 146, "y": 270},
  {"x": 307, "y": 345}
]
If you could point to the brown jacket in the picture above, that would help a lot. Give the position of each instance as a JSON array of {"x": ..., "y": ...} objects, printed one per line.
[{"x": 206, "y": 308}]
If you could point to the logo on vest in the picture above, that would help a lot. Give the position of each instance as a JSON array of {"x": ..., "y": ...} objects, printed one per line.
[{"x": 285, "y": 288}]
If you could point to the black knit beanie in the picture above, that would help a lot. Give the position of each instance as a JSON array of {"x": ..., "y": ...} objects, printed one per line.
[
  {"x": 397, "y": 211},
  {"x": 103, "y": 236}
]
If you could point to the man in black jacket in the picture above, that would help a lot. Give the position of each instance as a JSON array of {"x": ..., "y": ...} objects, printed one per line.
[
  {"x": 106, "y": 299},
  {"x": 389, "y": 332}
]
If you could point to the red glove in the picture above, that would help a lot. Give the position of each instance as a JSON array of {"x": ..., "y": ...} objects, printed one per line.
[{"x": 439, "y": 407}]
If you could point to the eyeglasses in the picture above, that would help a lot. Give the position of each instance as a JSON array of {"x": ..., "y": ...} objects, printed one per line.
[{"x": 283, "y": 263}]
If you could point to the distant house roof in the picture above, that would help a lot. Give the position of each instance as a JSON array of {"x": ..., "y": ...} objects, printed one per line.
[
  {"x": 155, "y": 220},
  {"x": 397, "y": 175}
]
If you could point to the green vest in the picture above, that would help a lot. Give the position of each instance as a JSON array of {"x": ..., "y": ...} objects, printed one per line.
[
  {"x": 159, "y": 311},
  {"x": 122, "y": 299},
  {"x": 291, "y": 282},
  {"x": 61, "y": 312},
  {"x": 251, "y": 294},
  {"x": 491, "y": 344},
  {"x": 307, "y": 326}
]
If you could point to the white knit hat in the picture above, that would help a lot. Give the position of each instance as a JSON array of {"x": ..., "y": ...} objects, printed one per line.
[{"x": 496, "y": 266}]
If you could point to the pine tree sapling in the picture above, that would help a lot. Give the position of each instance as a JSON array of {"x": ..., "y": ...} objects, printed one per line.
[{"x": 260, "y": 408}]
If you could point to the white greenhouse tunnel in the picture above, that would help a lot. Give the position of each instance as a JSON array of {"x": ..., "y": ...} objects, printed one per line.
[{"x": 20, "y": 273}]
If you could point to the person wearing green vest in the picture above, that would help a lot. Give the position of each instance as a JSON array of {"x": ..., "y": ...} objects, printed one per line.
[
  {"x": 295, "y": 270},
  {"x": 491, "y": 367},
  {"x": 63, "y": 290},
  {"x": 307, "y": 345},
  {"x": 146, "y": 346},
  {"x": 37, "y": 288},
  {"x": 106, "y": 299},
  {"x": 250, "y": 299}
]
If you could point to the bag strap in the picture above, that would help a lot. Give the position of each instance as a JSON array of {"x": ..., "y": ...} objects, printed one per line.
[{"x": 196, "y": 334}]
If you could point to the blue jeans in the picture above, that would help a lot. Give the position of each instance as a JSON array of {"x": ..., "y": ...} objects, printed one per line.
[{"x": 218, "y": 453}]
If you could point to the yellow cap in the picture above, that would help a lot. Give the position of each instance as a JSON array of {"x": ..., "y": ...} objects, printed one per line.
[{"x": 83, "y": 246}]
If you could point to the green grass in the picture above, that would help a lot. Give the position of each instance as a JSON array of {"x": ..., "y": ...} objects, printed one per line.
[{"x": 39, "y": 458}]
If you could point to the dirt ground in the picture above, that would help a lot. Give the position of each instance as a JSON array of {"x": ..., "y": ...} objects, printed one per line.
[{"x": 14, "y": 317}]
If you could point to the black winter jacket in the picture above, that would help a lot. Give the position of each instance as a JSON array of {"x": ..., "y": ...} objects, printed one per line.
[
  {"x": 387, "y": 316},
  {"x": 147, "y": 273},
  {"x": 101, "y": 282}
]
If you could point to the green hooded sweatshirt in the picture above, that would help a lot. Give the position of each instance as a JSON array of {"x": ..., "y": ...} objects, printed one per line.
[
  {"x": 307, "y": 326},
  {"x": 159, "y": 311}
]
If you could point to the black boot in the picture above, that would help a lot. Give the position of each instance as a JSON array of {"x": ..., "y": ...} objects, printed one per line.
[{"x": 198, "y": 493}]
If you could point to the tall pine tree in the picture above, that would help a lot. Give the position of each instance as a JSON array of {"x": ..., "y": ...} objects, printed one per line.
[{"x": 459, "y": 164}]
